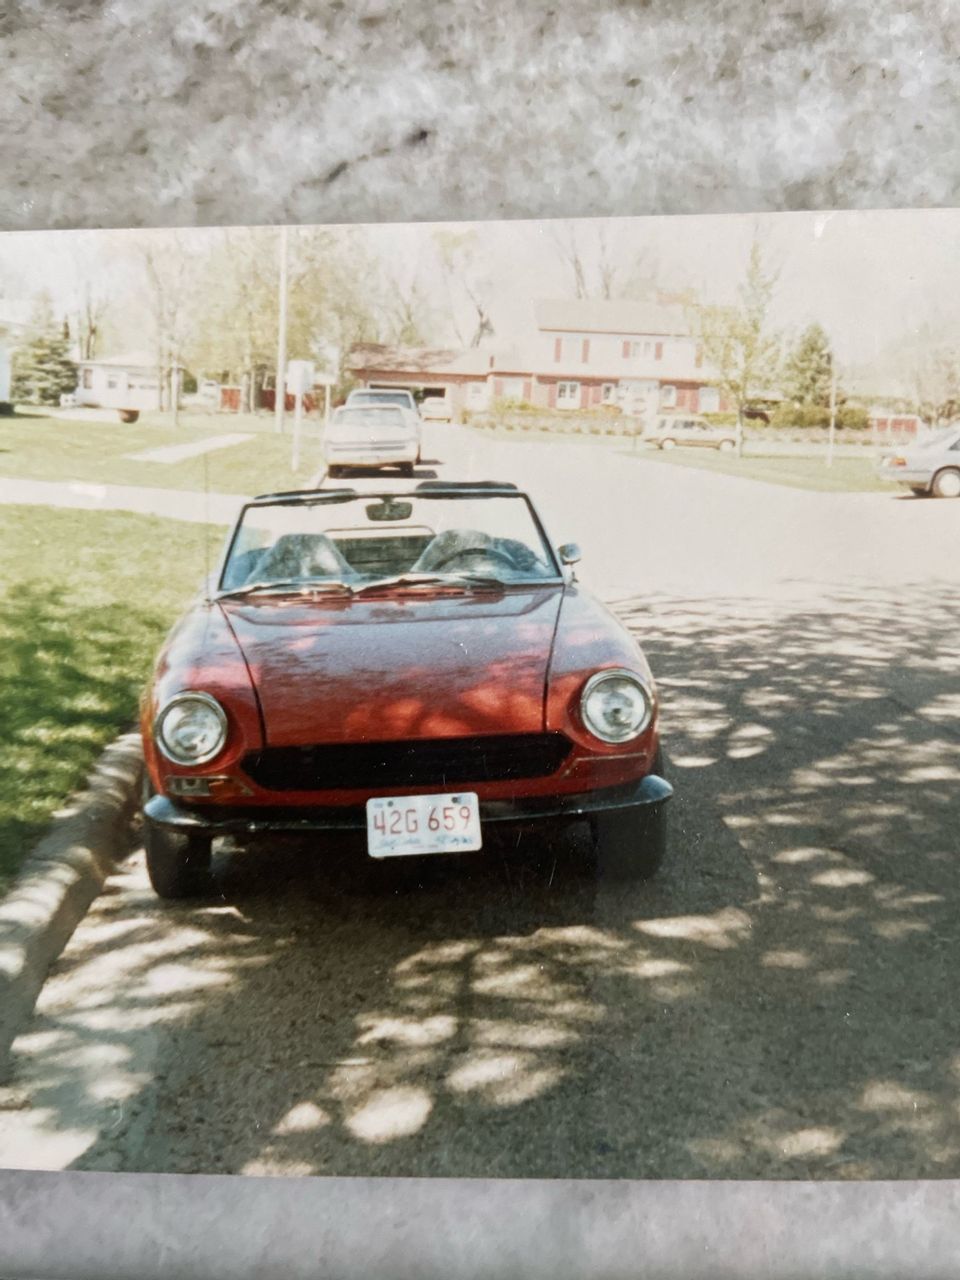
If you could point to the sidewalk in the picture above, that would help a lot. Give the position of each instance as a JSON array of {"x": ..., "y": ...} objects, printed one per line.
[{"x": 173, "y": 504}]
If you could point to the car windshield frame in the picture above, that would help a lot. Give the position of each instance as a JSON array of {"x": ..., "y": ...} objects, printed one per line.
[{"x": 431, "y": 491}]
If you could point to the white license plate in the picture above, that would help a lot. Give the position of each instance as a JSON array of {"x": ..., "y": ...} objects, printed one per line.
[{"x": 405, "y": 826}]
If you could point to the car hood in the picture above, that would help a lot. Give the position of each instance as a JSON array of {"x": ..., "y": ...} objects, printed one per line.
[{"x": 399, "y": 667}]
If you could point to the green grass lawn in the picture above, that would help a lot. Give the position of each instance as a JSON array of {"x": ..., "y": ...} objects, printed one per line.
[
  {"x": 44, "y": 448},
  {"x": 85, "y": 601},
  {"x": 847, "y": 475}
]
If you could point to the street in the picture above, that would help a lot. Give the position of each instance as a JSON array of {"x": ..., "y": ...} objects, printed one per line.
[{"x": 776, "y": 1003}]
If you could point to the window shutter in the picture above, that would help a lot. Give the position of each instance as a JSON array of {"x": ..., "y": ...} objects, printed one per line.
[
  {"x": 498, "y": 388},
  {"x": 626, "y": 349},
  {"x": 658, "y": 351},
  {"x": 586, "y": 350},
  {"x": 558, "y": 349},
  {"x": 528, "y": 390},
  {"x": 552, "y": 395}
]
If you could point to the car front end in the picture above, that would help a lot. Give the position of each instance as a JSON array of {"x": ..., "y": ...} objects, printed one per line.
[{"x": 448, "y": 703}]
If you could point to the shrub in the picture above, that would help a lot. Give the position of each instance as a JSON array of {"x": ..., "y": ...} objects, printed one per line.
[{"x": 849, "y": 417}]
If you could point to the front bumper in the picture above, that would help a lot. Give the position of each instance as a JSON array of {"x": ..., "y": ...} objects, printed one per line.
[{"x": 649, "y": 794}]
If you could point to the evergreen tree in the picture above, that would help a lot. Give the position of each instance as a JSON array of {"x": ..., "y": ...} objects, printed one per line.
[
  {"x": 42, "y": 369},
  {"x": 808, "y": 369}
]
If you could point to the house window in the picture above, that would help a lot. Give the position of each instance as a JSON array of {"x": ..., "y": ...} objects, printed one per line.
[
  {"x": 510, "y": 388},
  {"x": 709, "y": 400},
  {"x": 476, "y": 390},
  {"x": 668, "y": 397},
  {"x": 571, "y": 350},
  {"x": 88, "y": 378},
  {"x": 568, "y": 395},
  {"x": 642, "y": 348},
  {"x": 608, "y": 393},
  {"x": 112, "y": 381}
]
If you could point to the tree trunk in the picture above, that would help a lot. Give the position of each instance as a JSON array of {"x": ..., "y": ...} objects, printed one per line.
[{"x": 739, "y": 430}]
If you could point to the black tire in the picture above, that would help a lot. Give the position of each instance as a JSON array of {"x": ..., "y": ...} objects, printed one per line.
[
  {"x": 629, "y": 844},
  {"x": 406, "y": 468},
  {"x": 178, "y": 865},
  {"x": 946, "y": 483},
  {"x": 129, "y": 415},
  {"x": 334, "y": 472},
  {"x": 919, "y": 491},
  {"x": 668, "y": 443}
]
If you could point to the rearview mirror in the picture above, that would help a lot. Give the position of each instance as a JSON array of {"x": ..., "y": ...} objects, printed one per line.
[
  {"x": 569, "y": 553},
  {"x": 387, "y": 510}
]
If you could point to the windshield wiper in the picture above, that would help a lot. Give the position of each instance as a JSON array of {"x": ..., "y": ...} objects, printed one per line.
[
  {"x": 430, "y": 580},
  {"x": 297, "y": 585}
]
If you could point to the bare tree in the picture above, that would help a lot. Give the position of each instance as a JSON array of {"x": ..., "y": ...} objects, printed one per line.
[
  {"x": 568, "y": 246},
  {"x": 167, "y": 266},
  {"x": 90, "y": 315},
  {"x": 737, "y": 340},
  {"x": 463, "y": 271},
  {"x": 937, "y": 386}
]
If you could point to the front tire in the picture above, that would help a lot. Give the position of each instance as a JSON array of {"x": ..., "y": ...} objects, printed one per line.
[
  {"x": 178, "y": 865},
  {"x": 334, "y": 472},
  {"x": 406, "y": 468},
  {"x": 919, "y": 491},
  {"x": 946, "y": 483},
  {"x": 629, "y": 844},
  {"x": 668, "y": 444},
  {"x": 726, "y": 446}
]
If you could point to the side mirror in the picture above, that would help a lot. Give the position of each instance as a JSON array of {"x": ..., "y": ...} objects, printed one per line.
[{"x": 569, "y": 553}]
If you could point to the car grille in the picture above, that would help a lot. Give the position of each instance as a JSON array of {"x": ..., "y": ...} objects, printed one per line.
[{"x": 437, "y": 762}]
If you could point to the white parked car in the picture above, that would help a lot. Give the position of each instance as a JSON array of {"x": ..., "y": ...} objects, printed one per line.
[
  {"x": 928, "y": 466},
  {"x": 436, "y": 409},
  {"x": 688, "y": 429},
  {"x": 361, "y": 435}
]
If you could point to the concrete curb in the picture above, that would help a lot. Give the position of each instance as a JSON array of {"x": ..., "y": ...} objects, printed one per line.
[{"x": 60, "y": 879}]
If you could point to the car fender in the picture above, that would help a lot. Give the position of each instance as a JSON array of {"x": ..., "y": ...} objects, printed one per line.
[
  {"x": 588, "y": 639},
  {"x": 201, "y": 653}
]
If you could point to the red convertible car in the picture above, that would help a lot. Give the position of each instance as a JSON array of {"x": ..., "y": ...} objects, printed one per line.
[{"x": 419, "y": 664}]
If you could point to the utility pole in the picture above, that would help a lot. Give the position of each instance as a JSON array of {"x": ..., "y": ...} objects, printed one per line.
[
  {"x": 833, "y": 410},
  {"x": 280, "y": 396}
]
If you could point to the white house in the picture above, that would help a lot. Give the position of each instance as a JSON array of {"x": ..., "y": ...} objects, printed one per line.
[
  {"x": 14, "y": 326},
  {"x": 126, "y": 382}
]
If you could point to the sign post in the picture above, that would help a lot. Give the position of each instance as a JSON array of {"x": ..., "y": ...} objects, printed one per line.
[
  {"x": 279, "y": 405},
  {"x": 299, "y": 380}
]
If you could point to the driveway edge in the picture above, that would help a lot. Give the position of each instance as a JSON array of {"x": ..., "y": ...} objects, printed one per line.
[{"x": 59, "y": 881}]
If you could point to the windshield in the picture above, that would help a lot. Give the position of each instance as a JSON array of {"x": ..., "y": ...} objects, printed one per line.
[
  {"x": 383, "y": 417},
  {"x": 359, "y": 539},
  {"x": 943, "y": 436},
  {"x": 402, "y": 398}
]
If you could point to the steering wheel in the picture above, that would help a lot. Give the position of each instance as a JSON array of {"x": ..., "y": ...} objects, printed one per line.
[{"x": 484, "y": 553}]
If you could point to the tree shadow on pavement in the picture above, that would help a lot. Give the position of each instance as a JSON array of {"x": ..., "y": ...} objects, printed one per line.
[{"x": 771, "y": 1005}]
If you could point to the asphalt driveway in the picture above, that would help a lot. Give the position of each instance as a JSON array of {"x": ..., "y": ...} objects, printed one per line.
[{"x": 776, "y": 1004}]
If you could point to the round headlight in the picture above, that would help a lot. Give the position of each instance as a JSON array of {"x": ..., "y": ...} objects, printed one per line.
[
  {"x": 191, "y": 728},
  {"x": 616, "y": 705}
]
